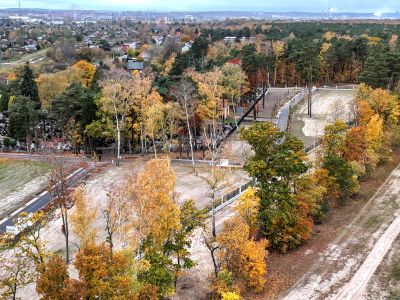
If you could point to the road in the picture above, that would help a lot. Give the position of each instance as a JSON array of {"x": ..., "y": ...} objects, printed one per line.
[{"x": 44, "y": 198}]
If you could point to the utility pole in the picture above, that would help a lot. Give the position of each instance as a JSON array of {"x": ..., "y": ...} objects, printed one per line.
[{"x": 309, "y": 102}]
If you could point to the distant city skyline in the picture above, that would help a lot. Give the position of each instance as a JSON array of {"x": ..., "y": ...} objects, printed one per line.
[{"x": 362, "y": 6}]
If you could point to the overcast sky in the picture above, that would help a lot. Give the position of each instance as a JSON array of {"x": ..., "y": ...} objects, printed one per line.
[{"x": 376, "y": 6}]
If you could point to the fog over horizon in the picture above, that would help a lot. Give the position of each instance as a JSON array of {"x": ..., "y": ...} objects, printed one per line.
[{"x": 317, "y": 6}]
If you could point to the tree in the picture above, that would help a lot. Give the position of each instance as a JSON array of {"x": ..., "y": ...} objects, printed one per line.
[
  {"x": 75, "y": 103},
  {"x": 153, "y": 112},
  {"x": 52, "y": 85},
  {"x": 115, "y": 212},
  {"x": 88, "y": 69},
  {"x": 58, "y": 189},
  {"x": 242, "y": 256},
  {"x": 278, "y": 160},
  {"x": 23, "y": 118},
  {"x": 374, "y": 139},
  {"x": 178, "y": 245},
  {"x": 115, "y": 102},
  {"x": 83, "y": 217},
  {"x": 16, "y": 273},
  {"x": 185, "y": 93},
  {"x": 150, "y": 197},
  {"x": 54, "y": 283},
  {"x": 375, "y": 72},
  {"x": 248, "y": 207},
  {"x": 29, "y": 87},
  {"x": 217, "y": 180},
  {"x": 105, "y": 275},
  {"x": 234, "y": 80}
]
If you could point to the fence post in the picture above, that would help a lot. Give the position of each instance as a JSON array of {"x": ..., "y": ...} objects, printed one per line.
[{"x": 222, "y": 199}]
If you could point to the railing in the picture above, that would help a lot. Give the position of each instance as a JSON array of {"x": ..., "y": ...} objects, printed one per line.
[{"x": 228, "y": 198}]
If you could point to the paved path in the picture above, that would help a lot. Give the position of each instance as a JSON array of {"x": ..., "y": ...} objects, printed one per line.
[{"x": 43, "y": 199}]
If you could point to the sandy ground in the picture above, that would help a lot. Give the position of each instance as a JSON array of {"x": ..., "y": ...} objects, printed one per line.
[
  {"x": 194, "y": 283},
  {"x": 22, "y": 195},
  {"x": 191, "y": 186},
  {"x": 344, "y": 269},
  {"x": 188, "y": 186},
  {"x": 385, "y": 283},
  {"x": 327, "y": 105}
]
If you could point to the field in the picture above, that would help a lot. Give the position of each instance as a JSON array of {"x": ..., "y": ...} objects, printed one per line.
[
  {"x": 19, "y": 180},
  {"x": 327, "y": 106}
]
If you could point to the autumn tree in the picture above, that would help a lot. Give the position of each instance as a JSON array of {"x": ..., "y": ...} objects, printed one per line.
[
  {"x": 248, "y": 207},
  {"x": 116, "y": 214},
  {"x": 278, "y": 161},
  {"x": 185, "y": 93},
  {"x": 151, "y": 199},
  {"x": 55, "y": 283},
  {"x": 82, "y": 217},
  {"x": 234, "y": 80},
  {"x": 58, "y": 189},
  {"x": 88, "y": 71},
  {"x": 15, "y": 273},
  {"x": 115, "y": 102},
  {"x": 105, "y": 275},
  {"x": 241, "y": 255}
]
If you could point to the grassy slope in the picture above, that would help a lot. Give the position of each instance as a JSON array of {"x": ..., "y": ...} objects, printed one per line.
[{"x": 16, "y": 173}]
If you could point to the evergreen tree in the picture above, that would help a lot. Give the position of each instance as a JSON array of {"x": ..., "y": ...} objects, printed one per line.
[
  {"x": 375, "y": 72},
  {"x": 23, "y": 118},
  {"x": 29, "y": 87}
]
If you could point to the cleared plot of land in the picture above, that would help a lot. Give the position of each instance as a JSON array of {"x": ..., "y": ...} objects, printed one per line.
[
  {"x": 194, "y": 186},
  {"x": 327, "y": 106},
  {"x": 337, "y": 266},
  {"x": 19, "y": 180}
]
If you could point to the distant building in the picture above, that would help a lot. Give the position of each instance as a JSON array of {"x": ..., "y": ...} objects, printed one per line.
[
  {"x": 186, "y": 47},
  {"x": 134, "y": 65},
  {"x": 31, "y": 47},
  {"x": 230, "y": 39},
  {"x": 189, "y": 18}
]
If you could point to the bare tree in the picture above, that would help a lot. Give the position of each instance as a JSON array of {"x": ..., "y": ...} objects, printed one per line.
[
  {"x": 217, "y": 179},
  {"x": 115, "y": 213},
  {"x": 186, "y": 94},
  {"x": 58, "y": 190}
]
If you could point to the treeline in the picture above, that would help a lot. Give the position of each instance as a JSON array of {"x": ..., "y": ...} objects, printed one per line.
[{"x": 319, "y": 53}]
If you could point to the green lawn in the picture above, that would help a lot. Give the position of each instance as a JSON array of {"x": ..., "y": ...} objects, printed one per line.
[{"x": 15, "y": 173}]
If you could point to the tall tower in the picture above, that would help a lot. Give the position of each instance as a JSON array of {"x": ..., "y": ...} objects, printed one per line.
[{"x": 19, "y": 7}]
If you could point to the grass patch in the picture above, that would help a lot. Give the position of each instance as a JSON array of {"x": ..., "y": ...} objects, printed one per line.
[
  {"x": 373, "y": 221},
  {"x": 15, "y": 173},
  {"x": 395, "y": 273}
]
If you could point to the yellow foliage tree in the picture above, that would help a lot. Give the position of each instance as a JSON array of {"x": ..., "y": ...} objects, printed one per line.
[
  {"x": 247, "y": 208},
  {"x": 155, "y": 212},
  {"x": 374, "y": 140},
  {"x": 242, "y": 256},
  {"x": 83, "y": 217},
  {"x": 88, "y": 69}
]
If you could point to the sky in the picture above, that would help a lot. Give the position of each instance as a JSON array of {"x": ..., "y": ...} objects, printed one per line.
[{"x": 370, "y": 6}]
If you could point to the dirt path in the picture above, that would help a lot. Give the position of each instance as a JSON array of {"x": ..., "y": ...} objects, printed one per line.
[
  {"x": 356, "y": 287},
  {"x": 344, "y": 269}
]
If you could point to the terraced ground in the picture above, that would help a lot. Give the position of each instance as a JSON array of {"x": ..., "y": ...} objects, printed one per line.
[{"x": 19, "y": 180}]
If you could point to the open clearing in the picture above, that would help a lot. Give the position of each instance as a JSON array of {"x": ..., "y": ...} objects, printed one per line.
[
  {"x": 19, "y": 181},
  {"x": 371, "y": 230},
  {"x": 327, "y": 105}
]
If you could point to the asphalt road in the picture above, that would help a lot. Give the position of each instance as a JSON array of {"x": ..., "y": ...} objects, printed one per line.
[{"x": 42, "y": 200}]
